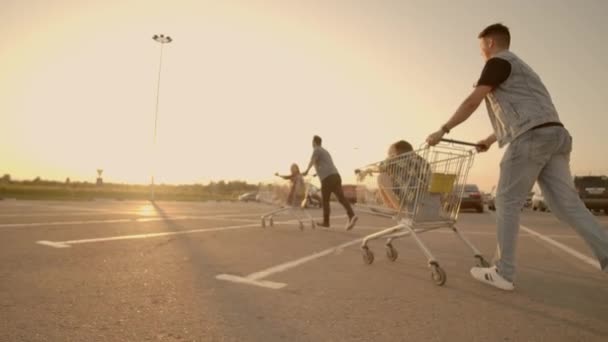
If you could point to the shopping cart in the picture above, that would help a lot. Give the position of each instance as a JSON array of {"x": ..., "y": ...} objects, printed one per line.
[
  {"x": 277, "y": 194},
  {"x": 426, "y": 187}
]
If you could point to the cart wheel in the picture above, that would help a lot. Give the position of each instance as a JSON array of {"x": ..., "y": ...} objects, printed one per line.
[
  {"x": 263, "y": 223},
  {"x": 368, "y": 256},
  {"x": 438, "y": 275},
  {"x": 391, "y": 252},
  {"x": 313, "y": 225},
  {"x": 481, "y": 262},
  {"x": 271, "y": 222},
  {"x": 301, "y": 226}
]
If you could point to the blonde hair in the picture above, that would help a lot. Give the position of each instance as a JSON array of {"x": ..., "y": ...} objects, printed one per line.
[{"x": 294, "y": 165}]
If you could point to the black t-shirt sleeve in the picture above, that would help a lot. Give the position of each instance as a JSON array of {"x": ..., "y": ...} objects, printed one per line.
[{"x": 496, "y": 71}]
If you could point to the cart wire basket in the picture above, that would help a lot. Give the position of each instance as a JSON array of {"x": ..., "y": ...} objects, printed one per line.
[
  {"x": 420, "y": 191},
  {"x": 288, "y": 199}
]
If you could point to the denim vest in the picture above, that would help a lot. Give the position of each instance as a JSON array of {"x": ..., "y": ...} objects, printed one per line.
[{"x": 520, "y": 103}]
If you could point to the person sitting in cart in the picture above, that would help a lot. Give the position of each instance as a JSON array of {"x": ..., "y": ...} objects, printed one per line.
[
  {"x": 394, "y": 174},
  {"x": 297, "y": 189},
  {"x": 398, "y": 174}
]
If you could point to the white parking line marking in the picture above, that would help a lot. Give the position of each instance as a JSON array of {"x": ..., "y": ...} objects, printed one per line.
[
  {"x": 251, "y": 220},
  {"x": 243, "y": 280},
  {"x": 256, "y": 278},
  {"x": 109, "y": 212},
  {"x": 65, "y": 244},
  {"x": 50, "y": 214},
  {"x": 53, "y": 244},
  {"x": 563, "y": 247},
  {"x": 559, "y": 245},
  {"x": 67, "y": 207},
  {"x": 139, "y": 220},
  {"x": 561, "y": 236},
  {"x": 61, "y": 223}
]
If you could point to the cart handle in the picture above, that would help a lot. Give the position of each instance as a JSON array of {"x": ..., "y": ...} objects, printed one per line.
[{"x": 458, "y": 142}]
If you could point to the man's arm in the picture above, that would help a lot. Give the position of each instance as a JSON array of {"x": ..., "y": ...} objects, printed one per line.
[
  {"x": 464, "y": 111},
  {"x": 495, "y": 72},
  {"x": 468, "y": 107},
  {"x": 485, "y": 144},
  {"x": 312, "y": 162}
]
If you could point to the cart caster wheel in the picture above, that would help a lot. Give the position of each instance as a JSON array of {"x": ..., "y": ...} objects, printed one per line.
[
  {"x": 391, "y": 253},
  {"x": 438, "y": 275},
  {"x": 301, "y": 226},
  {"x": 481, "y": 262},
  {"x": 263, "y": 223},
  {"x": 368, "y": 256},
  {"x": 313, "y": 225},
  {"x": 271, "y": 222}
]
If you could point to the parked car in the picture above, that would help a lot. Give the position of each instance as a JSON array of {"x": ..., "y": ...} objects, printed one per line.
[
  {"x": 593, "y": 191},
  {"x": 538, "y": 202},
  {"x": 249, "y": 196},
  {"x": 471, "y": 198}
]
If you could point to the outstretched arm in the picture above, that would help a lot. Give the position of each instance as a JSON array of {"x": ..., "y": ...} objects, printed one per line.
[
  {"x": 464, "y": 111},
  {"x": 312, "y": 162},
  {"x": 284, "y": 177},
  {"x": 495, "y": 72}
]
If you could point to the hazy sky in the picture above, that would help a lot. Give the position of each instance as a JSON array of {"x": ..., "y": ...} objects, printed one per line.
[{"x": 246, "y": 84}]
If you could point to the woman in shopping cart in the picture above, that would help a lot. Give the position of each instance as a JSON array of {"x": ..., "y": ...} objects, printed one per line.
[
  {"x": 397, "y": 174},
  {"x": 297, "y": 189},
  {"x": 390, "y": 174}
]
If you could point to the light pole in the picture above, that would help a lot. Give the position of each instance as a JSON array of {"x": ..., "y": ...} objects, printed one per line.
[{"x": 162, "y": 39}]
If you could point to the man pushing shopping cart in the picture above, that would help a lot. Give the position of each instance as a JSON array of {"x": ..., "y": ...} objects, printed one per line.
[
  {"x": 523, "y": 117},
  {"x": 331, "y": 182}
]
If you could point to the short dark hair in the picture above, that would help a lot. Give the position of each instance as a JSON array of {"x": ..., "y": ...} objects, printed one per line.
[
  {"x": 402, "y": 146},
  {"x": 317, "y": 140},
  {"x": 499, "y": 32}
]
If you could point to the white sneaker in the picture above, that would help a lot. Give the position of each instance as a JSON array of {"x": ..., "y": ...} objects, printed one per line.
[
  {"x": 490, "y": 276},
  {"x": 351, "y": 223}
]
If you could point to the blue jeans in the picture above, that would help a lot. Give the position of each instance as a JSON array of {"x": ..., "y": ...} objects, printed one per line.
[{"x": 541, "y": 155}]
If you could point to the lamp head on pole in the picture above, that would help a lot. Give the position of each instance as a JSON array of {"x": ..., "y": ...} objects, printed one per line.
[{"x": 161, "y": 38}]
